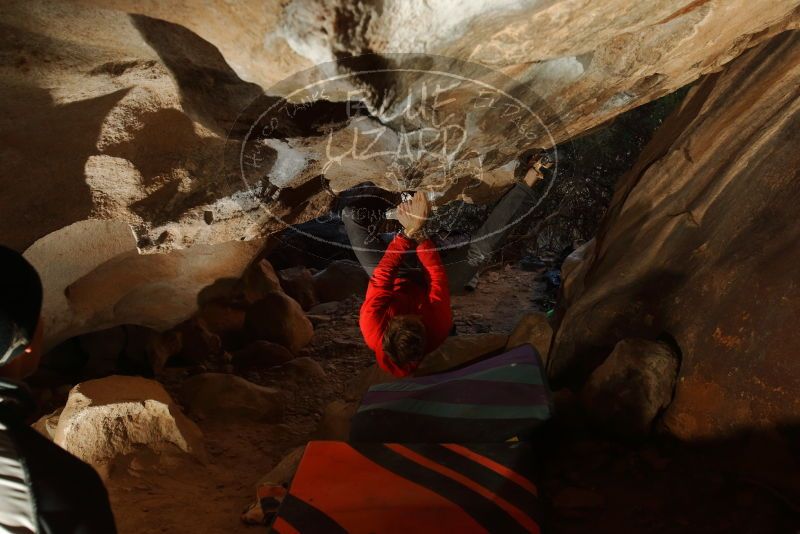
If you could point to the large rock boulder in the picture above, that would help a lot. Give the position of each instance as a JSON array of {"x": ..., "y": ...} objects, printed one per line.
[
  {"x": 222, "y": 318},
  {"x": 700, "y": 243},
  {"x": 460, "y": 350},
  {"x": 258, "y": 280},
  {"x": 298, "y": 283},
  {"x": 533, "y": 328},
  {"x": 198, "y": 345},
  {"x": 280, "y": 319},
  {"x": 339, "y": 280},
  {"x": 625, "y": 394},
  {"x": 119, "y": 415},
  {"x": 222, "y": 396}
]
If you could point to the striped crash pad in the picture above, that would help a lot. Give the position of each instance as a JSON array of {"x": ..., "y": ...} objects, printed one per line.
[
  {"x": 492, "y": 401},
  {"x": 379, "y": 488}
]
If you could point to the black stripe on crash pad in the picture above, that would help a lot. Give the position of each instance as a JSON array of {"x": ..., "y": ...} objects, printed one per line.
[
  {"x": 306, "y": 518},
  {"x": 487, "y": 513},
  {"x": 501, "y": 486}
]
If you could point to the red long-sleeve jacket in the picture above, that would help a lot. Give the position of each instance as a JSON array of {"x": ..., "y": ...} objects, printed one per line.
[{"x": 388, "y": 295}]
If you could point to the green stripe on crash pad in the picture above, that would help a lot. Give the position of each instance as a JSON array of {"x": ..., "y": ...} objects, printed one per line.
[
  {"x": 461, "y": 411},
  {"x": 523, "y": 373}
]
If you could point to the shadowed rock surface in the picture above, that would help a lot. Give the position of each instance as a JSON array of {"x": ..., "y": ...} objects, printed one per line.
[
  {"x": 631, "y": 387},
  {"x": 698, "y": 244}
]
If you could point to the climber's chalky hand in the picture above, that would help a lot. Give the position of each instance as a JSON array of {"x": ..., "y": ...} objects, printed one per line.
[{"x": 413, "y": 213}]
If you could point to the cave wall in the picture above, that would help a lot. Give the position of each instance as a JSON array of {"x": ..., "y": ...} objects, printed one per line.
[
  {"x": 136, "y": 112},
  {"x": 700, "y": 244}
]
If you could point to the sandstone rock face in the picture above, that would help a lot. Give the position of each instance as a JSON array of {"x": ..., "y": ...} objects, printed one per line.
[
  {"x": 625, "y": 394},
  {"x": 137, "y": 164},
  {"x": 589, "y": 60},
  {"x": 258, "y": 280},
  {"x": 533, "y": 328},
  {"x": 280, "y": 319},
  {"x": 92, "y": 281},
  {"x": 119, "y": 415},
  {"x": 47, "y": 424},
  {"x": 700, "y": 243},
  {"x": 222, "y": 396},
  {"x": 341, "y": 279}
]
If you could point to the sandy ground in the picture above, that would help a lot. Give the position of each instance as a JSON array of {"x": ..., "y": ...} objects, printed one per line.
[{"x": 185, "y": 496}]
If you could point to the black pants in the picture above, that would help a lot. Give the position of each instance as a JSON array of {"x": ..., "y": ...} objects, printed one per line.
[{"x": 462, "y": 262}]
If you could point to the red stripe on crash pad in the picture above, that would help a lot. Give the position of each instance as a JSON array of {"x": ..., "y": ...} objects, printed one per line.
[
  {"x": 519, "y": 516},
  {"x": 281, "y": 526},
  {"x": 500, "y": 469},
  {"x": 364, "y": 497}
]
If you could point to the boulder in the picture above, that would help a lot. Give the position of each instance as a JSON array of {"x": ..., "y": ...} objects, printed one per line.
[
  {"x": 631, "y": 387},
  {"x": 534, "y": 328},
  {"x": 283, "y": 473},
  {"x": 163, "y": 347},
  {"x": 261, "y": 355},
  {"x": 119, "y": 415},
  {"x": 222, "y": 318},
  {"x": 280, "y": 319},
  {"x": 47, "y": 424},
  {"x": 298, "y": 283},
  {"x": 198, "y": 344},
  {"x": 339, "y": 280},
  {"x": 335, "y": 422},
  {"x": 222, "y": 396},
  {"x": 459, "y": 350},
  {"x": 676, "y": 255},
  {"x": 259, "y": 279}
]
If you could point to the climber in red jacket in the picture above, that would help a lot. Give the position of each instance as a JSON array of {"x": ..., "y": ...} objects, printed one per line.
[
  {"x": 406, "y": 313},
  {"x": 402, "y": 319}
]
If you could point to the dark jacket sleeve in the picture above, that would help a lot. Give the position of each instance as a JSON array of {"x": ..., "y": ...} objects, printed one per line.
[{"x": 69, "y": 495}]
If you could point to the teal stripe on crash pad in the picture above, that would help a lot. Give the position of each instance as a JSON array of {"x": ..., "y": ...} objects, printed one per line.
[
  {"x": 523, "y": 373},
  {"x": 461, "y": 411}
]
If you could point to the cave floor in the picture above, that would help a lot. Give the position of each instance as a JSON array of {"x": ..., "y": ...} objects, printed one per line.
[{"x": 587, "y": 483}]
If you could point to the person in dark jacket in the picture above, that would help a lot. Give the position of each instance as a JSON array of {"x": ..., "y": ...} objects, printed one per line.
[
  {"x": 406, "y": 313},
  {"x": 43, "y": 488}
]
